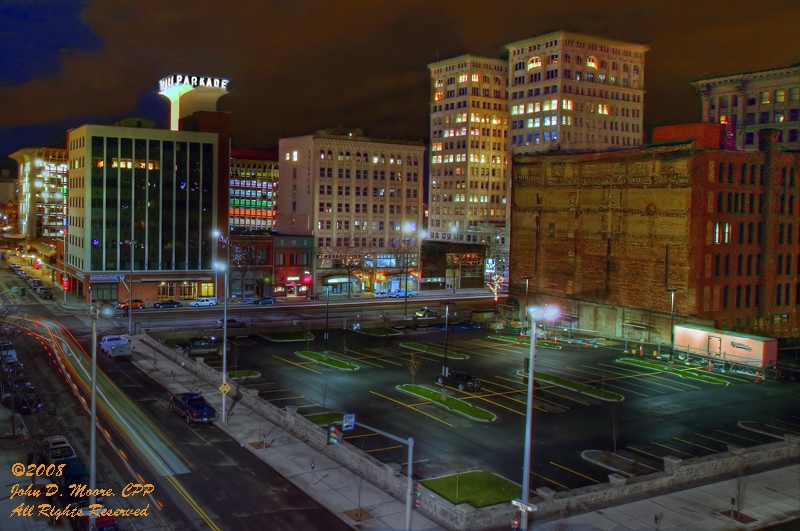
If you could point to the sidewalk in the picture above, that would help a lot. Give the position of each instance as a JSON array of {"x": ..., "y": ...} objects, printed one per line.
[{"x": 331, "y": 485}]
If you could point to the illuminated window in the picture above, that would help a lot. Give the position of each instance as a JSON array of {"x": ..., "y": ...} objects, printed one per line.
[
  {"x": 536, "y": 122},
  {"x": 566, "y": 120},
  {"x": 438, "y": 96},
  {"x": 766, "y": 97},
  {"x": 566, "y": 104},
  {"x": 780, "y": 96},
  {"x": 534, "y": 62},
  {"x": 537, "y": 107},
  {"x": 287, "y": 157},
  {"x": 439, "y": 83},
  {"x": 554, "y": 105},
  {"x": 462, "y": 78},
  {"x": 723, "y": 119},
  {"x": 547, "y": 105},
  {"x": 476, "y": 78},
  {"x": 294, "y": 156},
  {"x": 591, "y": 61},
  {"x": 530, "y": 107}
]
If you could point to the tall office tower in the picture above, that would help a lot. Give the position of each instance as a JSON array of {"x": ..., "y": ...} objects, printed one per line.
[
  {"x": 751, "y": 101},
  {"x": 469, "y": 158},
  {"x": 573, "y": 92},
  {"x": 42, "y": 191},
  {"x": 359, "y": 197},
  {"x": 254, "y": 187}
]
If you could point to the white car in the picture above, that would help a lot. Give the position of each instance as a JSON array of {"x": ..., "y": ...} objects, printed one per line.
[
  {"x": 203, "y": 302},
  {"x": 115, "y": 346}
]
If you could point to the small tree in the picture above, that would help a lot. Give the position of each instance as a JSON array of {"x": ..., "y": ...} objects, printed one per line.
[{"x": 414, "y": 363}]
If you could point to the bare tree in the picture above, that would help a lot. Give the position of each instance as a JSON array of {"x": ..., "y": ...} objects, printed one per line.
[{"x": 414, "y": 363}]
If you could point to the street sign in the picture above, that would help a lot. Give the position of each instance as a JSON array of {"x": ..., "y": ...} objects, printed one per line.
[
  {"x": 349, "y": 422},
  {"x": 523, "y": 506},
  {"x": 225, "y": 388}
]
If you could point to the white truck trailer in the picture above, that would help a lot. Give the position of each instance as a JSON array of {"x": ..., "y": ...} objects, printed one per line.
[{"x": 733, "y": 350}]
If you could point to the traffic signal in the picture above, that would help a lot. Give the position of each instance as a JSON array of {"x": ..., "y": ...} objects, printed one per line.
[{"x": 333, "y": 434}]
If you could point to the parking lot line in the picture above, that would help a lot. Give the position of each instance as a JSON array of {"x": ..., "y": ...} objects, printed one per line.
[
  {"x": 624, "y": 389},
  {"x": 574, "y": 472},
  {"x": 793, "y": 424},
  {"x": 274, "y": 390},
  {"x": 654, "y": 375},
  {"x": 296, "y": 364},
  {"x": 362, "y": 358},
  {"x": 643, "y": 452},
  {"x": 284, "y": 398},
  {"x": 385, "y": 449},
  {"x": 740, "y": 436},
  {"x": 484, "y": 399},
  {"x": 672, "y": 449},
  {"x": 414, "y": 408},
  {"x": 695, "y": 444},
  {"x": 712, "y": 438},
  {"x": 550, "y": 481}
]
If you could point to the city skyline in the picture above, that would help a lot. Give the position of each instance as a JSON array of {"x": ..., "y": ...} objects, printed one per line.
[{"x": 348, "y": 70}]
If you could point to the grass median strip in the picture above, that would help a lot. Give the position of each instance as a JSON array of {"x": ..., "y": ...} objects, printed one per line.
[
  {"x": 681, "y": 373},
  {"x": 587, "y": 390},
  {"x": 319, "y": 357},
  {"x": 525, "y": 340},
  {"x": 453, "y": 404},
  {"x": 477, "y": 488},
  {"x": 380, "y": 331},
  {"x": 436, "y": 351},
  {"x": 233, "y": 375}
]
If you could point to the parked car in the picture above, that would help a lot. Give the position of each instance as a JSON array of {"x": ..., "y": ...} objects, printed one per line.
[
  {"x": 137, "y": 304},
  {"x": 380, "y": 294},
  {"x": 232, "y": 323},
  {"x": 192, "y": 407},
  {"x": 55, "y": 449},
  {"x": 401, "y": 294},
  {"x": 203, "y": 302},
  {"x": 463, "y": 380},
  {"x": 426, "y": 312},
  {"x": 101, "y": 523},
  {"x": 8, "y": 353},
  {"x": 167, "y": 304},
  {"x": 265, "y": 300},
  {"x": 202, "y": 345},
  {"x": 115, "y": 346},
  {"x": 45, "y": 293}
]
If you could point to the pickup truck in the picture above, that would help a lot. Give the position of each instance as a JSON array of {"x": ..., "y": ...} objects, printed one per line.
[
  {"x": 56, "y": 449},
  {"x": 115, "y": 346},
  {"x": 192, "y": 407},
  {"x": 401, "y": 294}
]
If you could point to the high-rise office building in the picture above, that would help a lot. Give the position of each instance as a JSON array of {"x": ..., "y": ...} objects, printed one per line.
[
  {"x": 254, "y": 186},
  {"x": 360, "y": 198},
  {"x": 748, "y": 102},
  {"x": 469, "y": 159}
]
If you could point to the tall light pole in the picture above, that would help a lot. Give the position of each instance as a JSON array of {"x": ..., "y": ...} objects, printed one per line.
[
  {"x": 105, "y": 310},
  {"x": 527, "y": 304},
  {"x": 671, "y": 322},
  {"x": 64, "y": 273},
  {"x": 536, "y": 313},
  {"x": 327, "y": 307},
  {"x": 219, "y": 266},
  {"x": 446, "y": 328}
]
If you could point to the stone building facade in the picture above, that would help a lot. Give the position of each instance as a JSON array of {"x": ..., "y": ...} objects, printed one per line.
[{"x": 608, "y": 236}]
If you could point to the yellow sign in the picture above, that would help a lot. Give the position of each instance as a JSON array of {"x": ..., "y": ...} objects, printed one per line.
[{"x": 225, "y": 388}]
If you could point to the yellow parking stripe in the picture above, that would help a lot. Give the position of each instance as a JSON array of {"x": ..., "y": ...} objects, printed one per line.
[
  {"x": 574, "y": 472},
  {"x": 672, "y": 449},
  {"x": 695, "y": 444},
  {"x": 635, "y": 449},
  {"x": 550, "y": 481},
  {"x": 412, "y": 408},
  {"x": 740, "y": 436},
  {"x": 712, "y": 438},
  {"x": 297, "y": 364},
  {"x": 385, "y": 449}
]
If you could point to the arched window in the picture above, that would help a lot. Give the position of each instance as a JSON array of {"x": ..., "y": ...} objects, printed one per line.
[
  {"x": 591, "y": 61},
  {"x": 534, "y": 62},
  {"x": 322, "y": 153}
]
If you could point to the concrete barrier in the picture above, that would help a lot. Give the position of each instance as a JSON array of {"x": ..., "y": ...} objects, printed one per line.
[{"x": 678, "y": 474}]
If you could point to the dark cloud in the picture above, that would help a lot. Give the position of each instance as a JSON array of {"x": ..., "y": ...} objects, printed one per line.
[{"x": 300, "y": 65}]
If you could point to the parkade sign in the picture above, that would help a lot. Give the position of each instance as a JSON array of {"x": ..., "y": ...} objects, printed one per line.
[{"x": 193, "y": 81}]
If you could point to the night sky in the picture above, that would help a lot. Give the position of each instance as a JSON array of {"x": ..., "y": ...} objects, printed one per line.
[{"x": 296, "y": 66}]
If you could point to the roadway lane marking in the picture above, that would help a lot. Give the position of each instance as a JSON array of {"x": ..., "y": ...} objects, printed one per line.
[
  {"x": 673, "y": 449},
  {"x": 695, "y": 444},
  {"x": 412, "y": 407},
  {"x": 550, "y": 481},
  {"x": 207, "y": 519},
  {"x": 574, "y": 472},
  {"x": 297, "y": 364}
]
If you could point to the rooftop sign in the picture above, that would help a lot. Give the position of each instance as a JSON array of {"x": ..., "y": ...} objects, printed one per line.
[{"x": 193, "y": 81}]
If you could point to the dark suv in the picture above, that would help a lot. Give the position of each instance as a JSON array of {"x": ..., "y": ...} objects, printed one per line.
[{"x": 463, "y": 380}]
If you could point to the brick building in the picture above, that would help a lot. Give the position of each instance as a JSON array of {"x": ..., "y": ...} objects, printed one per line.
[{"x": 607, "y": 236}]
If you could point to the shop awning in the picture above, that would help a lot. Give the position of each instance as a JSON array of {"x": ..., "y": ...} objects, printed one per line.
[{"x": 339, "y": 280}]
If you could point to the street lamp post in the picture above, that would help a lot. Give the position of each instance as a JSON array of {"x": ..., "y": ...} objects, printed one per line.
[
  {"x": 106, "y": 311},
  {"x": 327, "y": 308},
  {"x": 406, "y": 260},
  {"x": 63, "y": 275},
  {"x": 220, "y": 266},
  {"x": 130, "y": 292},
  {"x": 527, "y": 283},
  {"x": 671, "y": 323},
  {"x": 549, "y": 313}
]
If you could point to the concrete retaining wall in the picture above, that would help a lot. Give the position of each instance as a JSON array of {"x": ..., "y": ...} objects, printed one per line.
[{"x": 678, "y": 474}]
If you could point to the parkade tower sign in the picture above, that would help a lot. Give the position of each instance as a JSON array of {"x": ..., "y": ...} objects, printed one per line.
[{"x": 187, "y": 94}]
